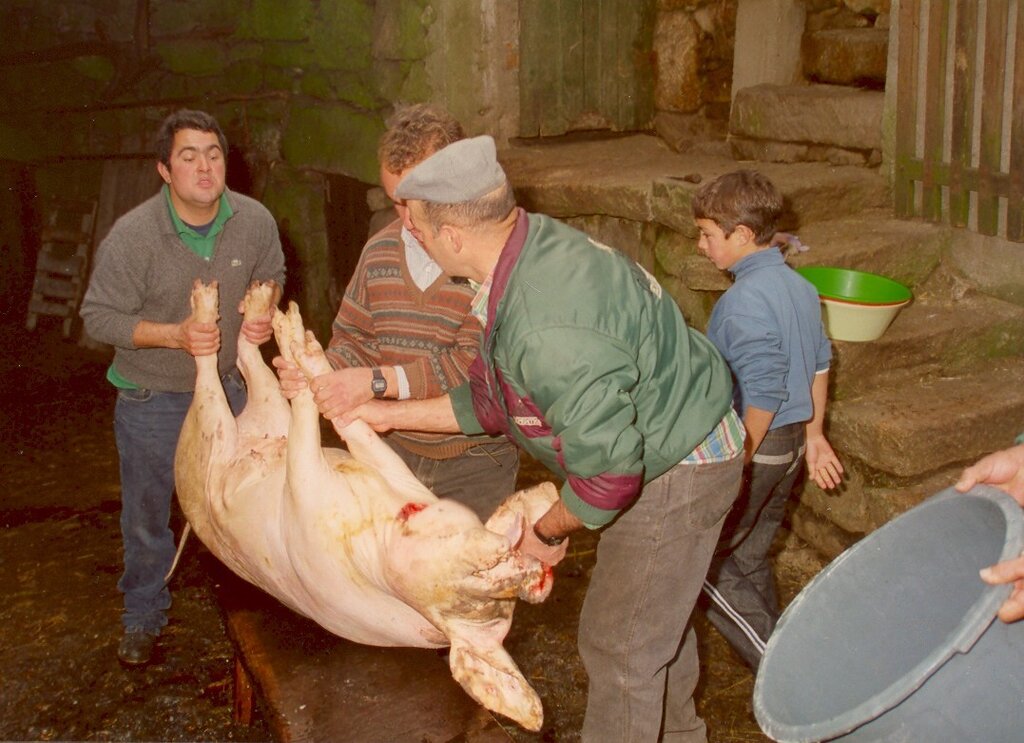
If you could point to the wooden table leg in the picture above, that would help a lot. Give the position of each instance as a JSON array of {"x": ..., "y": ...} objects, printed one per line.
[{"x": 244, "y": 693}]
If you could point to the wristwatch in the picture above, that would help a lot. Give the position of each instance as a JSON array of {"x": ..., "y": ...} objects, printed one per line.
[
  {"x": 549, "y": 541},
  {"x": 378, "y": 385}
]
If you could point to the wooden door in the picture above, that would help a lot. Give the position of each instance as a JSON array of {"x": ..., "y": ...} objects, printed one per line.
[{"x": 585, "y": 64}]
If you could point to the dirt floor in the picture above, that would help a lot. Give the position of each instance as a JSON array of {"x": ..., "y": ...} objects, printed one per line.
[{"x": 60, "y": 560}]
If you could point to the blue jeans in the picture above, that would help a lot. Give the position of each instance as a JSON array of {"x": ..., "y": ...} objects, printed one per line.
[
  {"x": 635, "y": 638},
  {"x": 147, "y": 424}
]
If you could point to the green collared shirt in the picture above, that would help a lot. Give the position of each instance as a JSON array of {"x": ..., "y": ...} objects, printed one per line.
[{"x": 201, "y": 245}]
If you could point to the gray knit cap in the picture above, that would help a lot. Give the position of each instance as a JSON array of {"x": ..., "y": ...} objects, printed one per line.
[{"x": 462, "y": 171}]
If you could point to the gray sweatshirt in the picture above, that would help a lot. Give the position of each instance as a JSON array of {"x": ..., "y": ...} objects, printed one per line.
[{"x": 143, "y": 271}]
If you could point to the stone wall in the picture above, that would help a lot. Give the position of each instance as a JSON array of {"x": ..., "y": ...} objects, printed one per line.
[
  {"x": 301, "y": 88},
  {"x": 295, "y": 85},
  {"x": 693, "y": 48}
]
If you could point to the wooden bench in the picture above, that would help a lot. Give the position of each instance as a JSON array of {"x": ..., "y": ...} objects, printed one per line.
[{"x": 314, "y": 686}]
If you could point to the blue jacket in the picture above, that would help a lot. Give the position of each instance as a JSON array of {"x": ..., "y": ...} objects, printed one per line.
[{"x": 768, "y": 328}]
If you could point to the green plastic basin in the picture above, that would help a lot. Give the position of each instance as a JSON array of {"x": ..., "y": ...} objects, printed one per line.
[
  {"x": 856, "y": 305},
  {"x": 848, "y": 285}
]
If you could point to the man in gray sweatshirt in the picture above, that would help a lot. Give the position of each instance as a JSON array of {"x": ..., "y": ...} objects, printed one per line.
[{"x": 138, "y": 301}]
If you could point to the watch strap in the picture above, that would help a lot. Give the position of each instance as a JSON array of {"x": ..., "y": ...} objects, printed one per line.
[{"x": 549, "y": 541}]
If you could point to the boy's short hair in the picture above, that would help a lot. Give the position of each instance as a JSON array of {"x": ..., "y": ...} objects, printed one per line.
[
  {"x": 186, "y": 119},
  {"x": 414, "y": 133},
  {"x": 742, "y": 197}
]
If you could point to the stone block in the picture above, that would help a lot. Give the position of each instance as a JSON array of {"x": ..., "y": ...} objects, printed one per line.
[
  {"x": 625, "y": 200},
  {"x": 683, "y": 132},
  {"x": 909, "y": 427},
  {"x": 830, "y": 115},
  {"x": 398, "y": 30},
  {"x": 279, "y": 20},
  {"x": 907, "y": 251},
  {"x": 816, "y": 192},
  {"x": 192, "y": 57},
  {"x": 632, "y": 238},
  {"x": 671, "y": 200},
  {"x": 831, "y": 523},
  {"x": 332, "y": 138},
  {"x": 937, "y": 336},
  {"x": 341, "y": 37},
  {"x": 853, "y": 56},
  {"x": 823, "y": 535},
  {"x": 762, "y": 150},
  {"x": 183, "y": 17},
  {"x": 866, "y": 500},
  {"x": 768, "y": 34},
  {"x": 992, "y": 264},
  {"x": 677, "y": 85}
]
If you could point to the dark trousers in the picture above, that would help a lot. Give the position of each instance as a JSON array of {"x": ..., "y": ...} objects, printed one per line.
[
  {"x": 482, "y": 477},
  {"x": 743, "y": 605}
]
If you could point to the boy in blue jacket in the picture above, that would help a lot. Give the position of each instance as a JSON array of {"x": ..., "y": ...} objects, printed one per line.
[{"x": 768, "y": 327}]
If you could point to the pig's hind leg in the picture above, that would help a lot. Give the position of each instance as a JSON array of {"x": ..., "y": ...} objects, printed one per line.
[
  {"x": 267, "y": 412},
  {"x": 209, "y": 404}
]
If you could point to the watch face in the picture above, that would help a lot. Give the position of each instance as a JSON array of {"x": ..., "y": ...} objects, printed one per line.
[{"x": 378, "y": 385}]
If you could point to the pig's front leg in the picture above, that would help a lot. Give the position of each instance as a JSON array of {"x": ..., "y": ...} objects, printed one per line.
[{"x": 362, "y": 441}]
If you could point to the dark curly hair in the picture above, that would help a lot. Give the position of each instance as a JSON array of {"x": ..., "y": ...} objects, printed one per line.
[{"x": 186, "y": 119}]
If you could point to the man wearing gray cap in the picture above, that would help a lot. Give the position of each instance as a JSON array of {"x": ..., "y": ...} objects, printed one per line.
[{"x": 589, "y": 366}]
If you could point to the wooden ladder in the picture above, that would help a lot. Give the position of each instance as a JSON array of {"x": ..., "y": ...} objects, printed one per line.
[{"x": 63, "y": 263}]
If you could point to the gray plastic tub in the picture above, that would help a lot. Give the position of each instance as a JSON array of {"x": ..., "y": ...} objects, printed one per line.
[{"x": 895, "y": 639}]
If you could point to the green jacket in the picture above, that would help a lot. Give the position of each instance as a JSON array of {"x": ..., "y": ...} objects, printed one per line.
[{"x": 589, "y": 366}]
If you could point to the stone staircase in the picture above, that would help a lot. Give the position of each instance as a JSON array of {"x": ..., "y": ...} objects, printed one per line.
[
  {"x": 834, "y": 115},
  {"x": 941, "y": 387}
]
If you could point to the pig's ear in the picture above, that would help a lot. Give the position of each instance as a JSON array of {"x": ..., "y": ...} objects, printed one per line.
[
  {"x": 515, "y": 534},
  {"x": 489, "y": 675}
]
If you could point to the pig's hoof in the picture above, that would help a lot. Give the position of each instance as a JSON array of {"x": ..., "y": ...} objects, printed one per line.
[{"x": 257, "y": 299}]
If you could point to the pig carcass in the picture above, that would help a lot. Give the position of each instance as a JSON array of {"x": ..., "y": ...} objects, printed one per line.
[{"x": 351, "y": 539}]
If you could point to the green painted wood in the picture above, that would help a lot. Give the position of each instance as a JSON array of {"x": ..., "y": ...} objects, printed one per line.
[
  {"x": 571, "y": 83},
  {"x": 585, "y": 64},
  {"x": 1015, "y": 196},
  {"x": 992, "y": 114},
  {"x": 961, "y": 125},
  {"x": 537, "y": 70},
  {"x": 906, "y": 105},
  {"x": 935, "y": 105}
]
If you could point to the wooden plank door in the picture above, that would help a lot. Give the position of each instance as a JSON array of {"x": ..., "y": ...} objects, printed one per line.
[{"x": 585, "y": 64}]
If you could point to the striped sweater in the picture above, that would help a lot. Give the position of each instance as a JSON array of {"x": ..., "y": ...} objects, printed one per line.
[{"x": 386, "y": 320}]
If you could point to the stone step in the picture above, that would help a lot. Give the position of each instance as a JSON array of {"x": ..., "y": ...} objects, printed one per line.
[
  {"x": 846, "y": 56},
  {"x": 904, "y": 250},
  {"x": 638, "y": 177},
  {"x": 933, "y": 336},
  {"x": 831, "y": 521},
  {"x": 794, "y": 123},
  {"x": 908, "y": 425}
]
